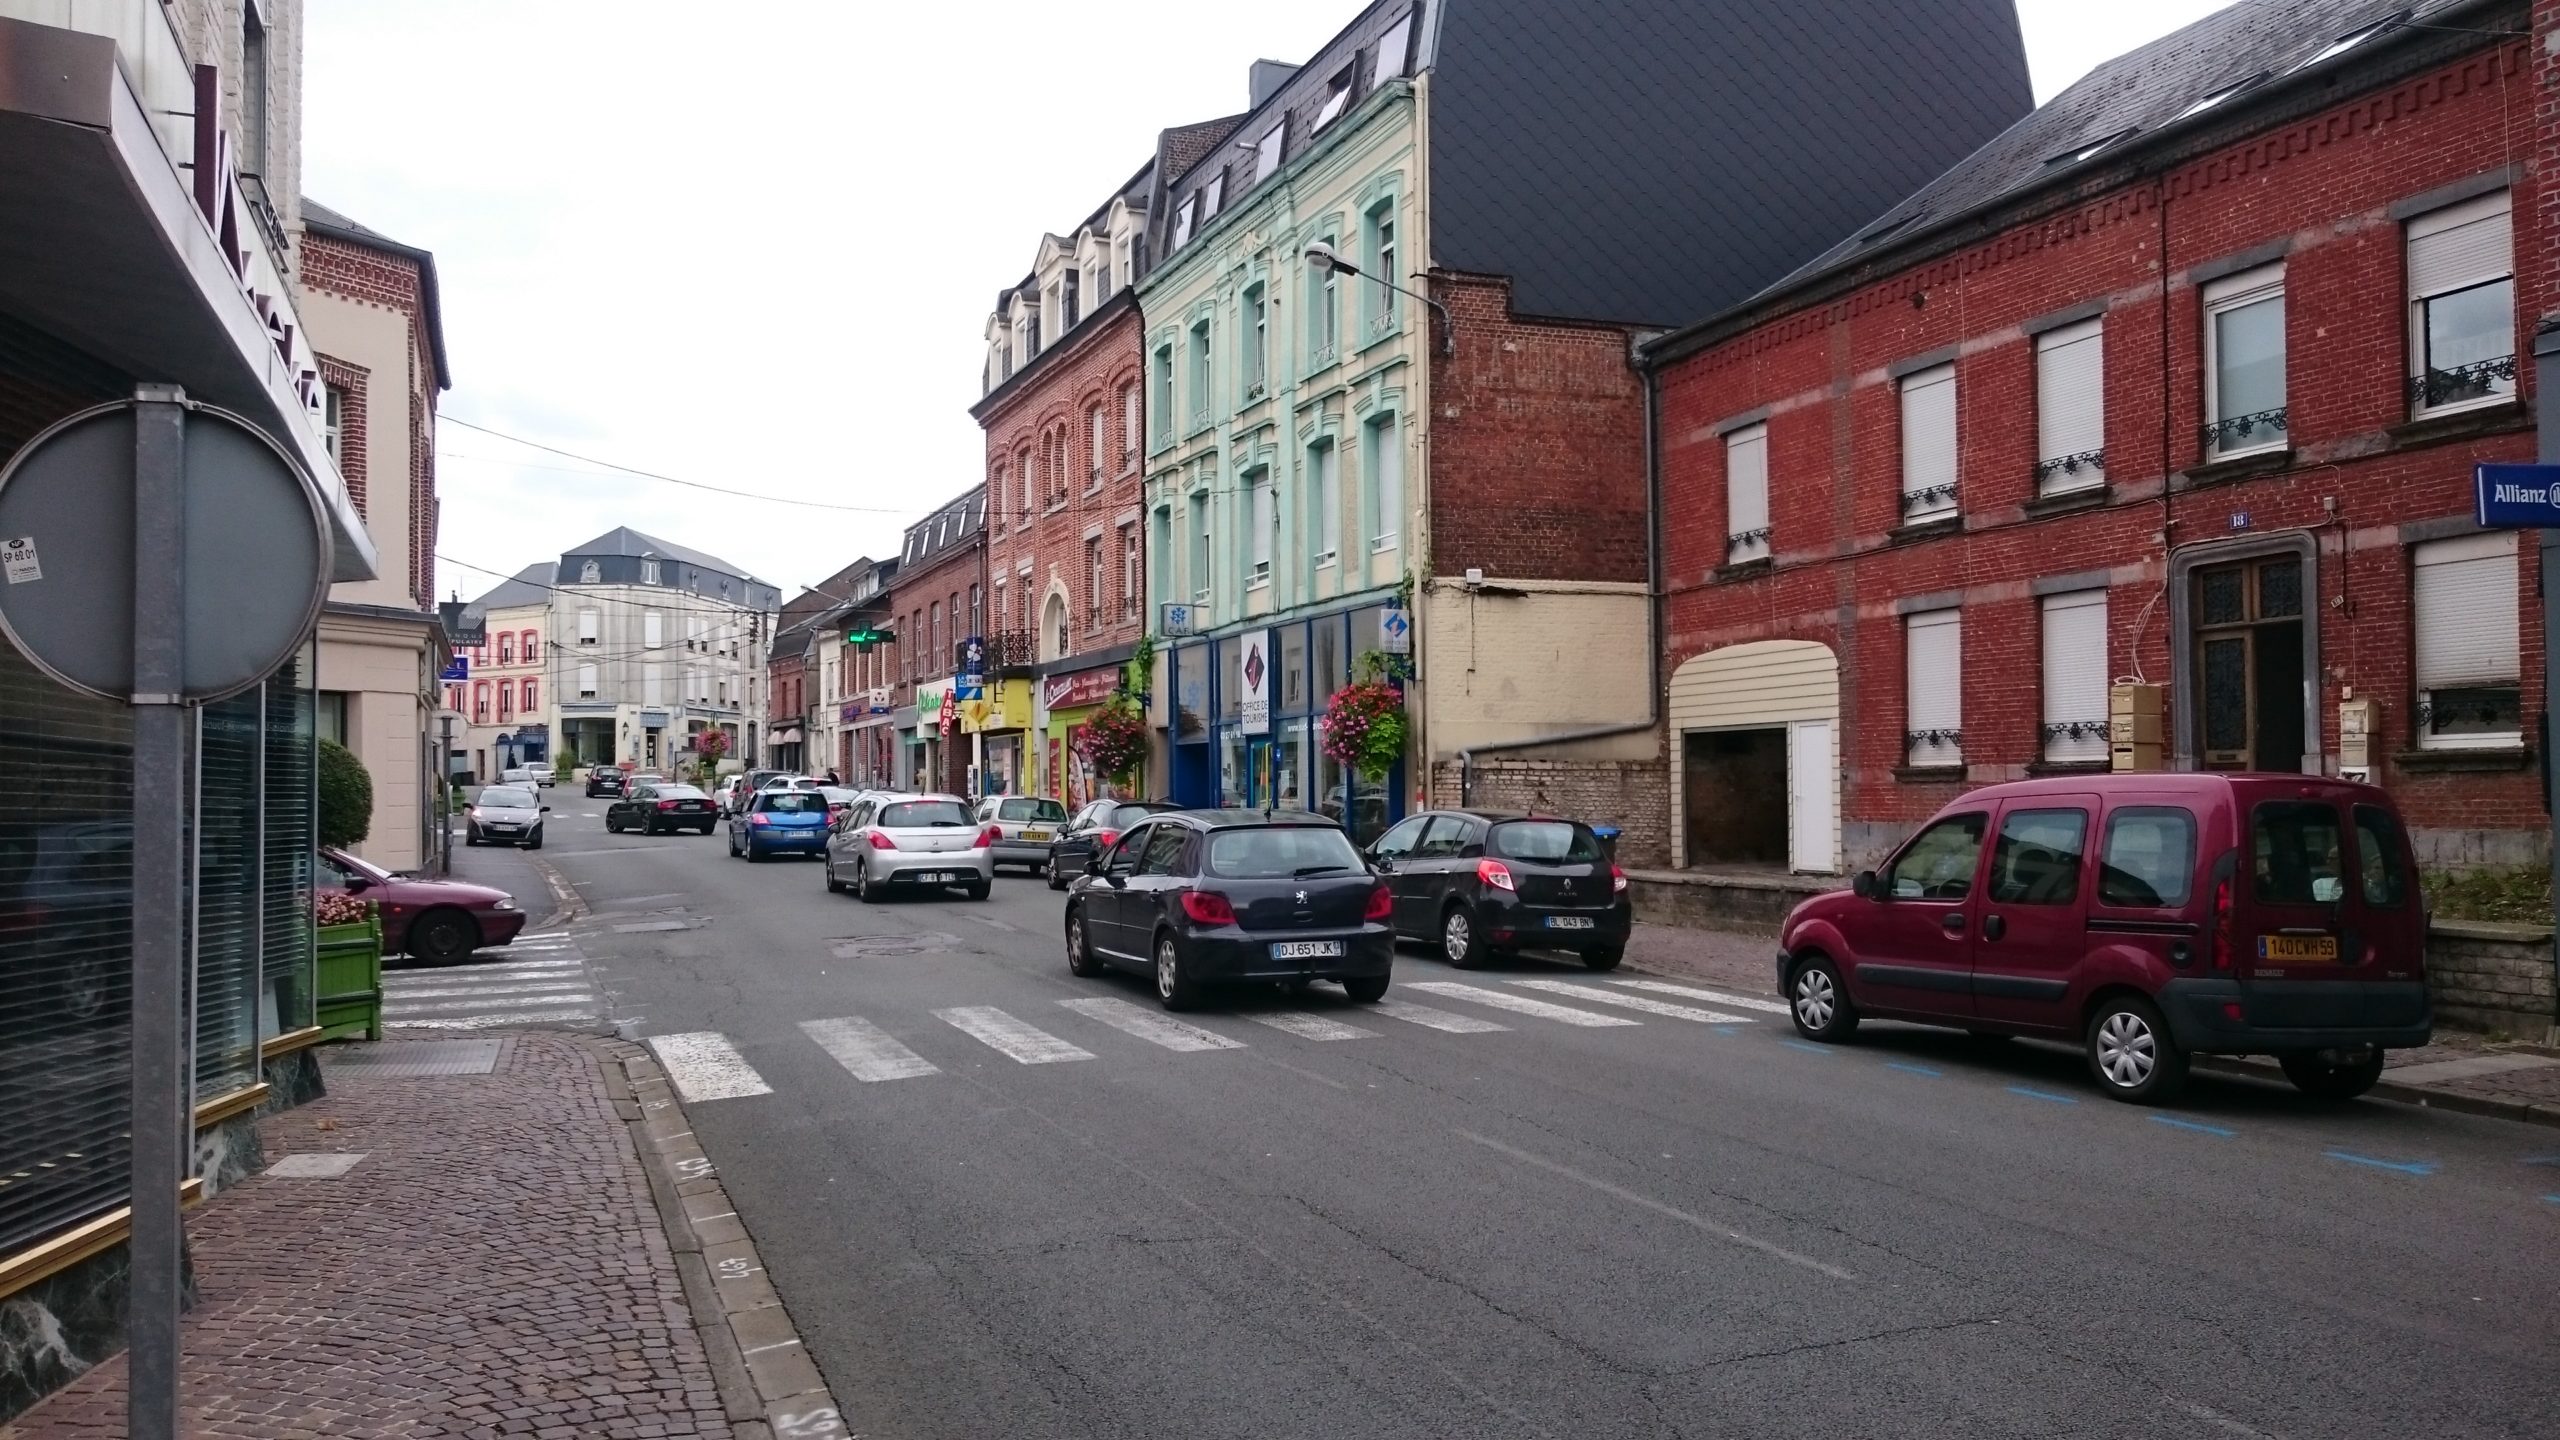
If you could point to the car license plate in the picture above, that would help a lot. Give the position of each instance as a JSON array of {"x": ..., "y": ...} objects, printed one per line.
[
  {"x": 2297, "y": 947},
  {"x": 1568, "y": 922},
  {"x": 500, "y": 829},
  {"x": 935, "y": 877},
  {"x": 1035, "y": 834},
  {"x": 1306, "y": 950}
]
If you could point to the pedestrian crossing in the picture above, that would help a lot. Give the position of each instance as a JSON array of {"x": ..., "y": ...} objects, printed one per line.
[
  {"x": 706, "y": 1065},
  {"x": 542, "y": 980}
]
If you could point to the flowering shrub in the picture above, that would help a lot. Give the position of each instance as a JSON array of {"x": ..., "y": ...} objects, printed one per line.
[
  {"x": 331, "y": 908},
  {"x": 1114, "y": 741},
  {"x": 1365, "y": 727}
]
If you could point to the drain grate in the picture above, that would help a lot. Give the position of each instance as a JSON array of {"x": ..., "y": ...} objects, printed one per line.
[{"x": 399, "y": 1059}]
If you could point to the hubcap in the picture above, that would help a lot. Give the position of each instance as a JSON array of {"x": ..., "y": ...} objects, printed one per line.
[
  {"x": 1075, "y": 939},
  {"x": 1455, "y": 936},
  {"x": 1165, "y": 979},
  {"x": 1815, "y": 1001},
  {"x": 2127, "y": 1050}
]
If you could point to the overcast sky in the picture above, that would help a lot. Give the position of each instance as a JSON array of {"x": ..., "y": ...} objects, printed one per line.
[{"x": 755, "y": 246}]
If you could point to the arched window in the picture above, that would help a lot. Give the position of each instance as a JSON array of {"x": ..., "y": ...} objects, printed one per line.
[
  {"x": 1022, "y": 469},
  {"x": 590, "y": 573},
  {"x": 1099, "y": 423},
  {"x": 1056, "y": 636},
  {"x": 529, "y": 645}
]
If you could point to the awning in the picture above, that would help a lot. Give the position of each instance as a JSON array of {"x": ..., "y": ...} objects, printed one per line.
[{"x": 789, "y": 736}]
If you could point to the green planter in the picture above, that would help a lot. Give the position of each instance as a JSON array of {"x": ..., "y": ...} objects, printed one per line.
[{"x": 350, "y": 980}]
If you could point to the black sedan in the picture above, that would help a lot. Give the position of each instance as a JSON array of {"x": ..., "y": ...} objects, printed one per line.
[
  {"x": 604, "y": 780},
  {"x": 662, "y": 805},
  {"x": 1096, "y": 827},
  {"x": 1197, "y": 898},
  {"x": 1480, "y": 883}
]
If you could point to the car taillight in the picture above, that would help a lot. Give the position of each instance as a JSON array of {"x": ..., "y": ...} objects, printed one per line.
[
  {"x": 1206, "y": 908},
  {"x": 759, "y": 818},
  {"x": 2222, "y": 924},
  {"x": 882, "y": 842},
  {"x": 1617, "y": 880},
  {"x": 989, "y": 836},
  {"x": 1382, "y": 905},
  {"x": 1495, "y": 874},
  {"x": 1104, "y": 840}
]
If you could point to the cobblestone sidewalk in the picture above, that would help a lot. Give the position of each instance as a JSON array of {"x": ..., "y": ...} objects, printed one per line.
[{"x": 491, "y": 1263}]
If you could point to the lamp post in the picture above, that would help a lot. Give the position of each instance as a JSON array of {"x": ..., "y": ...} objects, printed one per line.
[{"x": 1324, "y": 257}]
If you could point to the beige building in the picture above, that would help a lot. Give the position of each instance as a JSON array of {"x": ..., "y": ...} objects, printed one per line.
[{"x": 374, "y": 320}]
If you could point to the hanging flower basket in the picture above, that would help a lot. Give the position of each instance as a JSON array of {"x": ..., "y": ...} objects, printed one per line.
[
  {"x": 1114, "y": 741},
  {"x": 1365, "y": 727}
]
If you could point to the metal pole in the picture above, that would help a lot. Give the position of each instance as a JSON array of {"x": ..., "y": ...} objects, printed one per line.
[
  {"x": 444, "y": 793},
  {"x": 160, "y": 1049},
  {"x": 2546, "y": 366}
]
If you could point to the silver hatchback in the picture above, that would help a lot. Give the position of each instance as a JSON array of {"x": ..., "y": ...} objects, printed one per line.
[
  {"x": 1025, "y": 824},
  {"x": 910, "y": 842}
]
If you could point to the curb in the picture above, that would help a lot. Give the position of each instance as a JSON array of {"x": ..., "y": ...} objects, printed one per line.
[
  {"x": 767, "y": 1382},
  {"x": 572, "y": 907}
]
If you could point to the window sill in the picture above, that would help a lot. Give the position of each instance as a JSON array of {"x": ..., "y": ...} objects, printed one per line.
[
  {"x": 2231, "y": 470},
  {"x": 2505, "y": 417},
  {"x": 1910, "y": 531},
  {"x": 2069, "y": 767},
  {"x": 1263, "y": 583},
  {"x": 1328, "y": 560},
  {"x": 1743, "y": 569},
  {"x": 1383, "y": 544},
  {"x": 2063, "y": 502},
  {"x": 1929, "y": 774},
  {"x": 2455, "y": 761}
]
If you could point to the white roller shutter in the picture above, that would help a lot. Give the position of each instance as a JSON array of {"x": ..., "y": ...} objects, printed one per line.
[
  {"x": 651, "y": 682},
  {"x": 2071, "y": 415},
  {"x": 586, "y": 680},
  {"x": 2466, "y": 603},
  {"x": 653, "y": 630},
  {"x": 2461, "y": 246},
  {"x": 1933, "y": 684},
  {"x": 1929, "y": 441},
  {"x": 588, "y": 622},
  {"x": 2075, "y": 675},
  {"x": 1746, "y": 493}
]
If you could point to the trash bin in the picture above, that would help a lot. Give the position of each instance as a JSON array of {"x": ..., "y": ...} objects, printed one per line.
[{"x": 1608, "y": 842}]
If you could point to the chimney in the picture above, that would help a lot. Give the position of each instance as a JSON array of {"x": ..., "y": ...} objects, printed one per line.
[{"x": 1267, "y": 78}]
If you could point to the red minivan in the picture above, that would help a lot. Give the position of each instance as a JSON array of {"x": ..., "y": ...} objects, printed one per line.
[{"x": 2147, "y": 917}]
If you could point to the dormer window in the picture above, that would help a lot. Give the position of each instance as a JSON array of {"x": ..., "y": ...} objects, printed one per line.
[
  {"x": 1182, "y": 220},
  {"x": 649, "y": 572},
  {"x": 1337, "y": 98},
  {"x": 1266, "y": 151},
  {"x": 1394, "y": 49},
  {"x": 2075, "y": 156},
  {"x": 1213, "y": 195},
  {"x": 2218, "y": 96},
  {"x": 1073, "y": 283},
  {"x": 590, "y": 573},
  {"x": 2354, "y": 38}
]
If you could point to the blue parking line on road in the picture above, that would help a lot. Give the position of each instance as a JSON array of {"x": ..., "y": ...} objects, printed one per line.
[
  {"x": 2405, "y": 1167},
  {"x": 1907, "y": 1068},
  {"x": 2198, "y": 1126},
  {"x": 1807, "y": 1046},
  {"x": 2034, "y": 1094},
  {"x": 2542, "y": 1160},
  {"x": 2551, "y": 1199},
  {"x": 1726, "y": 1029}
]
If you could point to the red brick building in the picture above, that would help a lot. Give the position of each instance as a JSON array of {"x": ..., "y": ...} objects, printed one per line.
[
  {"x": 936, "y": 601},
  {"x": 1928, "y": 501}
]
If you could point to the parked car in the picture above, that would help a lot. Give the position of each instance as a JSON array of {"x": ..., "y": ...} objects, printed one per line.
[
  {"x": 1481, "y": 883},
  {"x": 1095, "y": 828},
  {"x": 910, "y": 842},
  {"x": 509, "y": 814},
  {"x": 1202, "y": 897},
  {"x": 543, "y": 775},
  {"x": 754, "y": 780},
  {"x": 438, "y": 921},
  {"x": 1026, "y": 824},
  {"x": 516, "y": 775},
  {"x": 727, "y": 794},
  {"x": 779, "y": 822},
  {"x": 839, "y": 799},
  {"x": 661, "y": 805},
  {"x": 2259, "y": 914},
  {"x": 605, "y": 780}
]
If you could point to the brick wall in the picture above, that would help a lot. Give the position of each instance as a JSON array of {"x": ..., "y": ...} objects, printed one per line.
[
  {"x": 1536, "y": 442},
  {"x": 2358, "y": 476},
  {"x": 1633, "y": 795},
  {"x": 394, "y": 282},
  {"x": 350, "y": 381}
]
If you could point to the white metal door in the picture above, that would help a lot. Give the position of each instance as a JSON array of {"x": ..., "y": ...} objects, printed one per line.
[{"x": 1811, "y": 789}]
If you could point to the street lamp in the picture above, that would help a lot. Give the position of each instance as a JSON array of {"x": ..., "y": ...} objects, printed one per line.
[{"x": 1324, "y": 257}]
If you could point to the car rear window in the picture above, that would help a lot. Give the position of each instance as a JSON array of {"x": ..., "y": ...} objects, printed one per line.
[
  {"x": 1549, "y": 842},
  {"x": 508, "y": 797},
  {"x": 792, "y": 802},
  {"x": 2299, "y": 853},
  {"x": 2150, "y": 859},
  {"x": 1031, "y": 810},
  {"x": 680, "y": 792},
  {"x": 1128, "y": 815},
  {"x": 1281, "y": 852},
  {"x": 921, "y": 815},
  {"x": 2379, "y": 857}
]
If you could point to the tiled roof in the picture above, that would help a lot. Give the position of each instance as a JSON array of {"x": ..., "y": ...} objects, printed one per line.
[
  {"x": 530, "y": 586},
  {"x": 1186, "y": 145}
]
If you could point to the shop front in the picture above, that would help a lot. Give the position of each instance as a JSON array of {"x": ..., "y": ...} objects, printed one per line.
[
  {"x": 1247, "y": 722},
  {"x": 1067, "y": 701},
  {"x": 929, "y": 742},
  {"x": 1000, "y": 721}
]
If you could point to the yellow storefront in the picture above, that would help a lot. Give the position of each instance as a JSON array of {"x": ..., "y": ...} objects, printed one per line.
[{"x": 1000, "y": 724}]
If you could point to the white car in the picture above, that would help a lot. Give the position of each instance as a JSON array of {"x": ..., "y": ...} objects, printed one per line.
[
  {"x": 887, "y": 843},
  {"x": 543, "y": 775}
]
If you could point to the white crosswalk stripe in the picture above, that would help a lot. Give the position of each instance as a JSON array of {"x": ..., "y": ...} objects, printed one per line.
[
  {"x": 1424, "y": 1015},
  {"x": 492, "y": 1022},
  {"x": 455, "y": 974},
  {"x": 1150, "y": 1026},
  {"x": 394, "y": 1010},
  {"x": 704, "y": 1066},
  {"x": 1717, "y": 997},
  {"x": 1635, "y": 1002},
  {"x": 546, "y": 984},
  {"x": 1008, "y": 1036},
  {"x": 1309, "y": 1026},
  {"x": 570, "y": 981},
  {"x": 1521, "y": 1004},
  {"x": 866, "y": 1051}
]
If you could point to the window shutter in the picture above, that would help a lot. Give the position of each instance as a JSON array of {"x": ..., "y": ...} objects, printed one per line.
[
  {"x": 1746, "y": 493},
  {"x": 2461, "y": 245},
  {"x": 1929, "y": 435},
  {"x": 586, "y": 679},
  {"x": 2071, "y": 400},
  {"x": 2466, "y": 612},
  {"x": 652, "y": 630},
  {"x": 587, "y": 625},
  {"x": 1933, "y": 683},
  {"x": 2075, "y": 674}
]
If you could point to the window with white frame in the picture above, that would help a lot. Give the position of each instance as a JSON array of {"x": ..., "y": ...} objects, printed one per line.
[
  {"x": 1200, "y": 372},
  {"x": 1324, "y": 316},
  {"x": 1200, "y": 539},
  {"x": 1182, "y": 220},
  {"x": 333, "y": 421},
  {"x": 1266, "y": 151},
  {"x": 1337, "y": 98},
  {"x": 1130, "y": 418},
  {"x": 1124, "y": 263},
  {"x": 2462, "y": 306},
  {"x": 1160, "y": 551},
  {"x": 2075, "y": 676},
  {"x": 2466, "y": 603},
  {"x": 1022, "y": 586},
  {"x": 1381, "y": 304},
  {"x": 1093, "y": 582},
  {"x": 1933, "y": 687},
  {"x": 1326, "y": 461},
  {"x": 1263, "y": 524},
  {"x": 649, "y": 572},
  {"x": 1257, "y": 343},
  {"x": 586, "y": 682},
  {"x": 1161, "y": 395},
  {"x": 1212, "y": 196},
  {"x": 2244, "y": 354},
  {"x": 2071, "y": 408},
  {"x": 1746, "y": 494},
  {"x": 590, "y": 626},
  {"x": 1132, "y": 579},
  {"x": 1394, "y": 50},
  {"x": 1098, "y": 436},
  {"x": 1385, "y": 464},
  {"x": 1002, "y": 614},
  {"x": 1929, "y": 444},
  {"x": 652, "y": 630}
]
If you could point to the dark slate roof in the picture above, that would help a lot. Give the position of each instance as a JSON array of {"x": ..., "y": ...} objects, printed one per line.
[
  {"x": 1184, "y": 146},
  {"x": 623, "y": 540},
  {"x": 2262, "y": 45},
  {"x": 1653, "y": 161},
  {"x": 320, "y": 218},
  {"x": 531, "y": 585},
  {"x": 948, "y": 528}
]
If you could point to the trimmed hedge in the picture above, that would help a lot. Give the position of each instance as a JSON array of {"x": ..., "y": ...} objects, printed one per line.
[{"x": 346, "y": 796}]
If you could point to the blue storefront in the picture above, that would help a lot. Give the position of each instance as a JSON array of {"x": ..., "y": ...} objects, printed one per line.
[{"x": 1219, "y": 760}]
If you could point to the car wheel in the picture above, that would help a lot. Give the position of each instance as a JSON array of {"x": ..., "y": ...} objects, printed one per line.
[
  {"x": 1819, "y": 1002},
  {"x": 707, "y": 829},
  {"x": 1174, "y": 985},
  {"x": 443, "y": 937},
  {"x": 471, "y": 837},
  {"x": 1080, "y": 959},
  {"x": 1459, "y": 943},
  {"x": 834, "y": 885},
  {"x": 1057, "y": 877},
  {"x": 754, "y": 855},
  {"x": 733, "y": 845},
  {"x": 1366, "y": 989},
  {"x": 2131, "y": 1054},
  {"x": 1605, "y": 959},
  {"x": 862, "y": 884},
  {"x": 534, "y": 841},
  {"x": 980, "y": 890},
  {"x": 611, "y": 825},
  {"x": 2327, "y": 1080}
]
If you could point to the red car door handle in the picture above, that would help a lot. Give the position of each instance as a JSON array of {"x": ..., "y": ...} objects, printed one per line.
[
  {"x": 1993, "y": 927},
  {"x": 1952, "y": 924}
]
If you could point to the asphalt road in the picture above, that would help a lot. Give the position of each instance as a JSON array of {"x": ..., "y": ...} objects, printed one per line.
[{"x": 1473, "y": 1221}]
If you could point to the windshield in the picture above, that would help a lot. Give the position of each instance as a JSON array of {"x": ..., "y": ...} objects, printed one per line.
[
  {"x": 352, "y": 865},
  {"x": 507, "y": 797},
  {"x": 792, "y": 803},
  {"x": 922, "y": 815},
  {"x": 1031, "y": 810},
  {"x": 1549, "y": 842},
  {"x": 680, "y": 792},
  {"x": 1282, "y": 852},
  {"x": 1128, "y": 815}
]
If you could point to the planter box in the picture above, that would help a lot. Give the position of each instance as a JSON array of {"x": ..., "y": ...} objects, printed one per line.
[{"x": 349, "y": 1001}]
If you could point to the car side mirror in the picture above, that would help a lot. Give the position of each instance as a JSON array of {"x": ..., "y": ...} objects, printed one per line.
[
  {"x": 546, "y": 809},
  {"x": 1384, "y": 864},
  {"x": 1866, "y": 886},
  {"x": 358, "y": 883},
  {"x": 1093, "y": 863}
]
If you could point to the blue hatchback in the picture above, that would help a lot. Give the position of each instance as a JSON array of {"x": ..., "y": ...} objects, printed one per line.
[{"x": 780, "y": 822}]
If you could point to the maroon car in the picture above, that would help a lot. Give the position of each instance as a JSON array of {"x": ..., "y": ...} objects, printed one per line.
[{"x": 438, "y": 921}]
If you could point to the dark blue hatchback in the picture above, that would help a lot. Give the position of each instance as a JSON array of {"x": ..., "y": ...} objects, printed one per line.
[{"x": 780, "y": 822}]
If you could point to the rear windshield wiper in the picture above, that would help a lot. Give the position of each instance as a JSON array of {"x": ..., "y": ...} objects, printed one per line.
[{"x": 1303, "y": 871}]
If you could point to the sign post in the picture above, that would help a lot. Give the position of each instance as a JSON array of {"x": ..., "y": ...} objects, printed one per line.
[{"x": 2527, "y": 497}]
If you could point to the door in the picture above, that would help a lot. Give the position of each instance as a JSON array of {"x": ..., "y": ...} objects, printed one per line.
[
  {"x": 1159, "y": 877},
  {"x": 1914, "y": 940},
  {"x": 1812, "y": 785},
  {"x": 1257, "y": 773},
  {"x": 1109, "y": 901},
  {"x": 1734, "y": 797},
  {"x": 1441, "y": 867},
  {"x": 2250, "y": 680},
  {"x": 1391, "y": 852},
  {"x": 2033, "y": 931}
]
